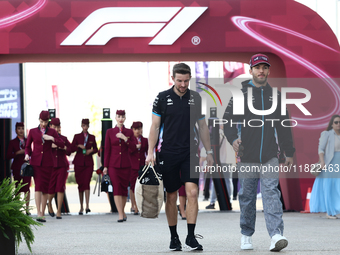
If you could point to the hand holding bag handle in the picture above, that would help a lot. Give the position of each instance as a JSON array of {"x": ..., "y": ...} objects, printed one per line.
[{"x": 153, "y": 169}]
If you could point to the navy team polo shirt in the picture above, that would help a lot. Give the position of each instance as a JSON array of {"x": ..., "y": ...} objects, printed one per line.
[{"x": 181, "y": 116}]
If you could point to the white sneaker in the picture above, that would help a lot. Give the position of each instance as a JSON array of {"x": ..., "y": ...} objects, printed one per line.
[
  {"x": 278, "y": 243},
  {"x": 246, "y": 243},
  {"x": 333, "y": 217}
]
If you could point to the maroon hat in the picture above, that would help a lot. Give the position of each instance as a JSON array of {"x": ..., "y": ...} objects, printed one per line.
[
  {"x": 44, "y": 115},
  {"x": 258, "y": 59},
  {"x": 55, "y": 122},
  {"x": 85, "y": 121},
  {"x": 137, "y": 124},
  {"x": 120, "y": 112},
  {"x": 19, "y": 124}
]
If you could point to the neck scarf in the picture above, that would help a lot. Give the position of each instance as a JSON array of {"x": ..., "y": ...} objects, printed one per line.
[{"x": 21, "y": 143}]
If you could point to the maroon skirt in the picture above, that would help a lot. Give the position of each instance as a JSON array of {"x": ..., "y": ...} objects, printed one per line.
[
  {"x": 120, "y": 178},
  {"x": 133, "y": 178},
  {"x": 42, "y": 176},
  {"x": 25, "y": 180},
  {"x": 83, "y": 176},
  {"x": 181, "y": 191},
  {"x": 58, "y": 180}
]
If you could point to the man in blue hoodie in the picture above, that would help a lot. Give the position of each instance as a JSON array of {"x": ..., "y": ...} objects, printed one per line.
[{"x": 255, "y": 140}]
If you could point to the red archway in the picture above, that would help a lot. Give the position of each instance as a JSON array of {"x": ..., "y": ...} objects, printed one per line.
[{"x": 298, "y": 41}]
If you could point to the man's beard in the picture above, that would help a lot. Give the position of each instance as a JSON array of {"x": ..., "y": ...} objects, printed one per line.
[
  {"x": 181, "y": 91},
  {"x": 261, "y": 82}
]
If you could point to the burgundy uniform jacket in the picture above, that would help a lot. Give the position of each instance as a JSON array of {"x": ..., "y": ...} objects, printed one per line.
[
  {"x": 13, "y": 147},
  {"x": 138, "y": 156},
  {"x": 59, "y": 155},
  {"x": 41, "y": 155},
  {"x": 81, "y": 159},
  {"x": 116, "y": 151}
]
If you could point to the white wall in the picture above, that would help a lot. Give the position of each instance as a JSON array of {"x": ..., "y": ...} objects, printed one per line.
[{"x": 85, "y": 88}]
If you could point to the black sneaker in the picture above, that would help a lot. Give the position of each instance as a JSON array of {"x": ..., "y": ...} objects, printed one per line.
[
  {"x": 192, "y": 244},
  {"x": 175, "y": 244},
  {"x": 210, "y": 206}
]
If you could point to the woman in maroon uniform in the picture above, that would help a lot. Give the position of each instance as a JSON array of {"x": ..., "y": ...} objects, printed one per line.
[
  {"x": 59, "y": 174},
  {"x": 16, "y": 151},
  {"x": 117, "y": 164},
  {"x": 85, "y": 144},
  {"x": 137, "y": 156},
  {"x": 42, "y": 138}
]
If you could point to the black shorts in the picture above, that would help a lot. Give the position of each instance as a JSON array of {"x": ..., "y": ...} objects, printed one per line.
[{"x": 178, "y": 169}]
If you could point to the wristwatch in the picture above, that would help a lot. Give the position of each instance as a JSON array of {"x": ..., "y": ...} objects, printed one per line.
[{"x": 210, "y": 152}]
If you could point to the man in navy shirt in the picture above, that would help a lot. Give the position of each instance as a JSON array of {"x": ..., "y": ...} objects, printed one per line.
[{"x": 175, "y": 114}]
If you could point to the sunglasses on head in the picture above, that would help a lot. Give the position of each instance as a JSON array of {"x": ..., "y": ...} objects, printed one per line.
[{"x": 336, "y": 122}]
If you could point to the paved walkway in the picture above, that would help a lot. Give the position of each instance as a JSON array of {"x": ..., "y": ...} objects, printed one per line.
[
  {"x": 100, "y": 204},
  {"x": 99, "y": 233}
]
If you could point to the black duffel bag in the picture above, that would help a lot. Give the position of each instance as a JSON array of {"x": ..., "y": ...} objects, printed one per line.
[
  {"x": 147, "y": 175},
  {"x": 26, "y": 169}
]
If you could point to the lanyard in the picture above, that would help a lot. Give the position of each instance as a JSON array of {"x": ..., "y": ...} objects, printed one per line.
[
  {"x": 43, "y": 131},
  {"x": 120, "y": 131},
  {"x": 86, "y": 138},
  {"x": 139, "y": 141}
]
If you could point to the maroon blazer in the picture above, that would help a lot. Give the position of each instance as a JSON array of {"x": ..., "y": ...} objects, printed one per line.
[
  {"x": 138, "y": 156},
  {"x": 59, "y": 155},
  {"x": 13, "y": 147},
  {"x": 81, "y": 159},
  {"x": 116, "y": 151},
  {"x": 42, "y": 151}
]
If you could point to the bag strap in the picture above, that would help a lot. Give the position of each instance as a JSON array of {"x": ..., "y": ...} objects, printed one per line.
[
  {"x": 159, "y": 181},
  {"x": 144, "y": 170},
  {"x": 153, "y": 169}
]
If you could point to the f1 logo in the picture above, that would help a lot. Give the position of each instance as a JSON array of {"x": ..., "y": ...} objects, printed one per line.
[{"x": 169, "y": 23}]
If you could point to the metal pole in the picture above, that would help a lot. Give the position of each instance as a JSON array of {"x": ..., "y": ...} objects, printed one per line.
[
  {"x": 218, "y": 177},
  {"x": 106, "y": 124}
]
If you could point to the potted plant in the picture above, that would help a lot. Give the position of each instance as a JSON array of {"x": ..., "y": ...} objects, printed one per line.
[{"x": 15, "y": 224}]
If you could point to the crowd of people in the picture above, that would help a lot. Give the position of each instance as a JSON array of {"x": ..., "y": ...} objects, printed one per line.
[
  {"x": 177, "y": 127},
  {"x": 46, "y": 150}
]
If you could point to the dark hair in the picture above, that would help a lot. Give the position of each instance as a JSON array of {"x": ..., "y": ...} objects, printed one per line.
[
  {"x": 181, "y": 68},
  {"x": 331, "y": 122}
]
